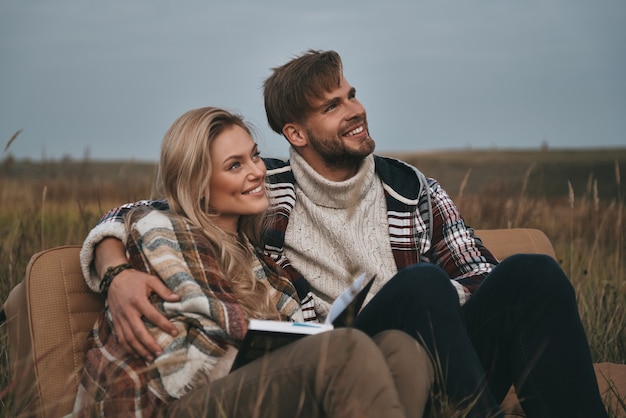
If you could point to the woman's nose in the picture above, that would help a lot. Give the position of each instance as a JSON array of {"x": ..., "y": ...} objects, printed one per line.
[{"x": 257, "y": 170}]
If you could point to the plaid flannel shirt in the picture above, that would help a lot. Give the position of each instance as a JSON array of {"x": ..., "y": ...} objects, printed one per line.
[{"x": 208, "y": 317}]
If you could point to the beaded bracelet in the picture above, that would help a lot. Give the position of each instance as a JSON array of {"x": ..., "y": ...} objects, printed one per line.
[{"x": 110, "y": 275}]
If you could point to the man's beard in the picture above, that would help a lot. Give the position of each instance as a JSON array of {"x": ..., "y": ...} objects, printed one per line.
[{"x": 335, "y": 153}]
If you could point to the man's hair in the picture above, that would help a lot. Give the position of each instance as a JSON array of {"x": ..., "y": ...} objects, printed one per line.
[{"x": 288, "y": 92}]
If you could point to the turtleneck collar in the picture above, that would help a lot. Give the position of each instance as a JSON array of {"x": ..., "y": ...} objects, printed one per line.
[{"x": 332, "y": 194}]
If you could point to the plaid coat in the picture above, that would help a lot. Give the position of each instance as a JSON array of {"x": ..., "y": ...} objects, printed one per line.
[{"x": 208, "y": 317}]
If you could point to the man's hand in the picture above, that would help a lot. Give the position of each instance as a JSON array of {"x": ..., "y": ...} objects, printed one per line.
[{"x": 128, "y": 302}]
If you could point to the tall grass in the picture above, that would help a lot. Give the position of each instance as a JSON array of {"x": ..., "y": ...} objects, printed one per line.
[
  {"x": 55, "y": 203},
  {"x": 588, "y": 237},
  {"x": 50, "y": 204}
]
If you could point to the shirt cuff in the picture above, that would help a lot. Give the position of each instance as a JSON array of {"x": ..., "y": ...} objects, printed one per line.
[
  {"x": 97, "y": 234},
  {"x": 460, "y": 291}
]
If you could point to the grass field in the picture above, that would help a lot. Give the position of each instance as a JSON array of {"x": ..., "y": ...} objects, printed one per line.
[{"x": 575, "y": 197}]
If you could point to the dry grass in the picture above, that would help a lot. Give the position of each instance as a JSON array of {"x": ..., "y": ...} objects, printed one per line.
[{"x": 55, "y": 203}]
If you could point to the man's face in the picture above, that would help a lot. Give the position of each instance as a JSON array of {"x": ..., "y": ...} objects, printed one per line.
[{"x": 337, "y": 129}]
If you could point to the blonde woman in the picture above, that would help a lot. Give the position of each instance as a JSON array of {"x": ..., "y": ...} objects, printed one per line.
[{"x": 205, "y": 245}]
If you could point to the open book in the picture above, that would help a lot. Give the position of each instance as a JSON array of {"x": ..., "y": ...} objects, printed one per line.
[{"x": 264, "y": 336}]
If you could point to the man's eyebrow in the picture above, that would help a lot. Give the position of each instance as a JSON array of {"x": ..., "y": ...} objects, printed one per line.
[
  {"x": 326, "y": 103},
  {"x": 334, "y": 100}
]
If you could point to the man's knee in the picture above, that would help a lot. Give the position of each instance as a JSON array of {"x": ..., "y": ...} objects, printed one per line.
[
  {"x": 539, "y": 273},
  {"x": 424, "y": 281}
]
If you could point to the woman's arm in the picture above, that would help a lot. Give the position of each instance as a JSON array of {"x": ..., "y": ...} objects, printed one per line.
[{"x": 209, "y": 320}]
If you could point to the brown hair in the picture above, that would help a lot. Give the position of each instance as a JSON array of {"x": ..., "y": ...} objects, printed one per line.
[{"x": 291, "y": 87}]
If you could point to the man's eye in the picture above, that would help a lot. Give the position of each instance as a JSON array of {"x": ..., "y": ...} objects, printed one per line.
[{"x": 331, "y": 107}]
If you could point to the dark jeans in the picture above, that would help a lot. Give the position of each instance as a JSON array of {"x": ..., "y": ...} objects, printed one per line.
[{"x": 520, "y": 327}]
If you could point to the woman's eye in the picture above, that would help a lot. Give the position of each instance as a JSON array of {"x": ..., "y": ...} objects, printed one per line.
[{"x": 234, "y": 166}]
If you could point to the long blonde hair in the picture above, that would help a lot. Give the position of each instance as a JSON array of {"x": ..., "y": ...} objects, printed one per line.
[{"x": 183, "y": 178}]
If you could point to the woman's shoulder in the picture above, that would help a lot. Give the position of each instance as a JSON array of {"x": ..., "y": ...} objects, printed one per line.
[{"x": 149, "y": 217}]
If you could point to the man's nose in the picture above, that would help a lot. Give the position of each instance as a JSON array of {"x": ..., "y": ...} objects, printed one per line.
[{"x": 355, "y": 108}]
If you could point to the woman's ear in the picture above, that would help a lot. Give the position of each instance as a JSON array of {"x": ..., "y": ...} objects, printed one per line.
[{"x": 295, "y": 134}]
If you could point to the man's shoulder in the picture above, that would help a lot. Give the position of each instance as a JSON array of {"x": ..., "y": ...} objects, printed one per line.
[
  {"x": 275, "y": 163},
  {"x": 278, "y": 171},
  {"x": 394, "y": 165},
  {"x": 403, "y": 177}
]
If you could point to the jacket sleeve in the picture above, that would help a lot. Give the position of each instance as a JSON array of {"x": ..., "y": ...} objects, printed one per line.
[
  {"x": 112, "y": 224},
  {"x": 455, "y": 247}
]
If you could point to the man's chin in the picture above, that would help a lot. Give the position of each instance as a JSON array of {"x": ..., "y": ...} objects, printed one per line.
[
  {"x": 368, "y": 146},
  {"x": 352, "y": 160},
  {"x": 364, "y": 149}
]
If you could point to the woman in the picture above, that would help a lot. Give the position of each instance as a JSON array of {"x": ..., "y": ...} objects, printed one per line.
[{"x": 206, "y": 249}]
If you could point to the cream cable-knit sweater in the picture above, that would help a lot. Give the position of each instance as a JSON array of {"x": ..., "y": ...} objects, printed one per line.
[{"x": 337, "y": 230}]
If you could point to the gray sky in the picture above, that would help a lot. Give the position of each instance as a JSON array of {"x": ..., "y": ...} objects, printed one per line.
[{"x": 106, "y": 79}]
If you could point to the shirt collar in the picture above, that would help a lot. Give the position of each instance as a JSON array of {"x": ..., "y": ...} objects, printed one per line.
[{"x": 332, "y": 194}]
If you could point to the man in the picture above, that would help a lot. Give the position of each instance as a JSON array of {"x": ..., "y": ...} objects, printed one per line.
[{"x": 339, "y": 210}]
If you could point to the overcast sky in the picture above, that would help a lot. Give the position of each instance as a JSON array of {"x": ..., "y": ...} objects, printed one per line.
[{"x": 105, "y": 79}]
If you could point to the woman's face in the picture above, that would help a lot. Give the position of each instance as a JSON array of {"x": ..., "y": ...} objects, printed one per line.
[{"x": 238, "y": 178}]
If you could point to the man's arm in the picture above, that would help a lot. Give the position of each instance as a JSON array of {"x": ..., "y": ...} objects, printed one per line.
[
  {"x": 455, "y": 247},
  {"x": 128, "y": 293},
  {"x": 128, "y": 300},
  {"x": 112, "y": 224}
]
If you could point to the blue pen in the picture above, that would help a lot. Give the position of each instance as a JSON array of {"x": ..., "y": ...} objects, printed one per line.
[{"x": 304, "y": 324}]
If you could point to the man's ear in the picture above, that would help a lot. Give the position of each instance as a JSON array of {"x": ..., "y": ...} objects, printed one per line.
[{"x": 295, "y": 134}]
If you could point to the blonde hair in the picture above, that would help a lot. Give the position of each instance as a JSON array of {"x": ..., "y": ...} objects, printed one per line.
[{"x": 183, "y": 178}]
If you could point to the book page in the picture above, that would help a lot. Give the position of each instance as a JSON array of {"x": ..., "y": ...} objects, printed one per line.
[
  {"x": 344, "y": 299},
  {"x": 286, "y": 326}
]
